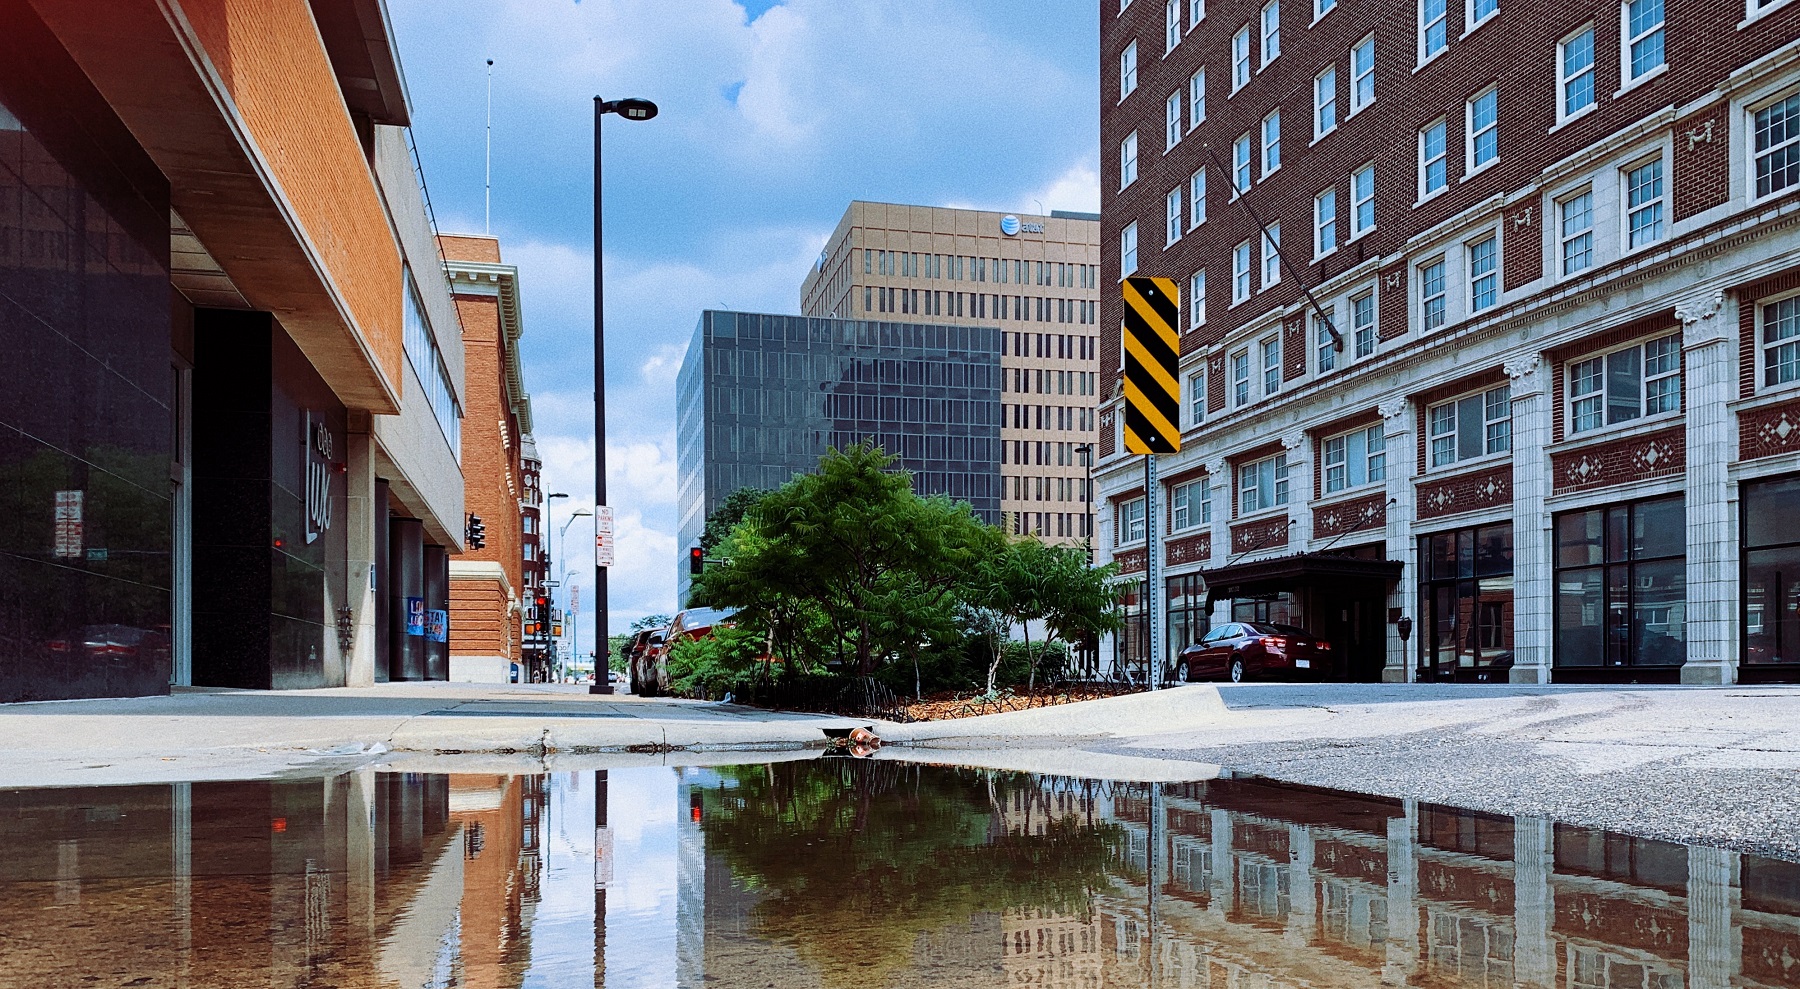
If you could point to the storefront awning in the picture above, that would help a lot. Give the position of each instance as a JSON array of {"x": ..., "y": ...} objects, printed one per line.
[{"x": 1286, "y": 573}]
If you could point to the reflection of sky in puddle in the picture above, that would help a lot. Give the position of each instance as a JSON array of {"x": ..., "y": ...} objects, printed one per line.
[{"x": 872, "y": 875}]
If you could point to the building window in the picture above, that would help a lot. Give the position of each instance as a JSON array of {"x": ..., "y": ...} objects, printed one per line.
[
  {"x": 1271, "y": 31},
  {"x": 1128, "y": 155},
  {"x": 1643, "y": 37},
  {"x": 1324, "y": 345},
  {"x": 1621, "y": 585},
  {"x": 1325, "y": 118},
  {"x": 1434, "y": 168},
  {"x": 1325, "y": 222},
  {"x": 1466, "y": 603},
  {"x": 1479, "y": 11},
  {"x": 1171, "y": 25},
  {"x": 1644, "y": 204},
  {"x": 1127, "y": 71},
  {"x": 1639, "y": 380},
  {"x": 1271, "y": 255},
  {"x": 1362, "y": 323},
  {"x": 1196, "y": 99},
  {"x": 1779, "y": 349},
  {"x": 1271, "y": 364},
  {"x": 1434, "y": 28},
  {"x": 1190, "y": 614},
  {"x": 1197, "y": 299},
  {"x": 1196, "y": 13},
  {"x": 1240, "y": 59},
  {"x": 1240, "y": 273},
  {"x": 1271, "y": 136},
  {"x": 1471, "y": 427},
  {"x": 1362, "y": 200},
  {"x": 1575, "y": 59},
  {"x": 1197, "y": 197},
  {"x": 421, "y": 348},
  {"x": 1362, "y": 74},
  {"x": 1190, "y": 505},
  {"x": 1355, "y": 459},
  {"x": 1172, "y": 120},
  {"x": 1484, "y": 273},
  {"x": 1128, "y": 523},
  {"x": 1576, "y": 215},
  {"x": 1263, "y": 485},
  {"x": 1240, "y": 164},
  {"x": 1432, "y": 313},
  {"x": 1323, "y": 7},
  {"x": 1484, "y": 129},
  {"x": 1172, "y": 216},
  {"x": 1196, "y": 398},
  {"x": 1771, "y": 571},
  {"x": 1128, "y": 247},
  {"x": 1777, "y": 129},
  {"x": 1240, "y": 379}
]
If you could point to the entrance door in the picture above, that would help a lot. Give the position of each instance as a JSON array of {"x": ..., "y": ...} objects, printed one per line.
[{"x": 1351, "y": 620}]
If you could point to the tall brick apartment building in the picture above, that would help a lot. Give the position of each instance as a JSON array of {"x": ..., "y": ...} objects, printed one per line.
[
  {"x": 487, "y": 588},
  {"x": 1037, "y": 279},
  {"x": 1542, "y": 407}
]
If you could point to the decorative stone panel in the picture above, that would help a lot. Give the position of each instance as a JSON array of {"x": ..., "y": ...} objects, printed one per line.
[
  {"x": 1469, "y": 492},
  {"x": 1522, "y": 244},
  {"x": 1190, "y": 549},
  {"x": 1108, "y": 434},
  {"x": 1635, "y": 458},
  {"x": 1702, "y": 167},
  {"x": 1261, "y": 534},
  {"x": 1293, "y": 349},
  {"x": 1769, "y": 431},
  {"x": 1367, "y": 512},
  {"x": 1130, "y": 560}
]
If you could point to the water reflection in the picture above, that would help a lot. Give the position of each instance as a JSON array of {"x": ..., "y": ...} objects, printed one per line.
[{"x": 833, "y": 873}]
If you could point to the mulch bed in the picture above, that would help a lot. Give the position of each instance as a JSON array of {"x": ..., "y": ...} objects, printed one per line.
[{"x": 945, "y": 706}]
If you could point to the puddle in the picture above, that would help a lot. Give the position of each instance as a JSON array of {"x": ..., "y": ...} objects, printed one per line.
[{"x": 839, "y": 873}]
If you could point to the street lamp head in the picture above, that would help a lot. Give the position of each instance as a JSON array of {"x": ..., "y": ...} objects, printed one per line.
[
  {"x": 579, "y": 512},
  {"x": 631, "y": 109},
  {"x": 558, "y": 494}
]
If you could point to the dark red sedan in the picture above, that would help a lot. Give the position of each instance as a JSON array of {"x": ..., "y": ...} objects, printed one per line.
[{"x": 1239, "y": 651}]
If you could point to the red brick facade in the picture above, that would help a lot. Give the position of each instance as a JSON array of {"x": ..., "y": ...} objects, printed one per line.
[
  {"x": 1471, "y": 492},
  {"x": 1636, "y": 458}
]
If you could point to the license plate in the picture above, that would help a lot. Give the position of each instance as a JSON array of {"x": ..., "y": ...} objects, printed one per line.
[{"x": 1304, "y": 664}]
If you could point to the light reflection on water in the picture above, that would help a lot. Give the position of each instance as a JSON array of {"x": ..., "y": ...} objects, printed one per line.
[{"x": 834, "y": 873}]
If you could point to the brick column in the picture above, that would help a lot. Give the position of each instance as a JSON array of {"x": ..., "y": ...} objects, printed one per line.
[
  {"x": 1397, "y": 428},
  {"x": 1708, "y": 371},
  {"x": 1534, "y": 903},
  {"x": 359, "y": 512},
  {"x": 1533, "y": 586},
  {"x": 1712, "y": 898}
]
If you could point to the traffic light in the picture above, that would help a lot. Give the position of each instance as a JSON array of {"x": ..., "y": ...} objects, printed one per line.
[
  {"x": 475, "y": 532},
  {"x": 696, "y": 560}
]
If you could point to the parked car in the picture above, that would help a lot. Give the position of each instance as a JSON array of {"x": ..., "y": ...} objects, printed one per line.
[{"x": 1238, "y": 651}]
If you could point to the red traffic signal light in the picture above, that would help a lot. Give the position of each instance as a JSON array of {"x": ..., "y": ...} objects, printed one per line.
[
  {"x": 696, "y": 560},
  {"x": 543, "y": 600}
]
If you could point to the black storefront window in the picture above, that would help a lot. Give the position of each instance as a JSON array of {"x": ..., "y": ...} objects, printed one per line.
[
  {"x": 1187, "y": 613},
  {"x": 1466, "y": 600},
  {"x": 1132, "y": 643},
  {"x": 1621, "y": 585},
  {"x": 1772, "y": 572}
]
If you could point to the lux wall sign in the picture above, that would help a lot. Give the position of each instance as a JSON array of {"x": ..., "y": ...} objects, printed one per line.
[{"x": 318, "y": 477}]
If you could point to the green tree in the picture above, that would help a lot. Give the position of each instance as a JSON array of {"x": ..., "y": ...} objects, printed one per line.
[
  {"x": 733, "y": 510},
  {"x": 652, "y": 621}
]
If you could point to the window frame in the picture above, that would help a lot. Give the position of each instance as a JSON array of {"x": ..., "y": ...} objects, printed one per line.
[
  {"x": 1124, "y": 519},
  {"x": 1242, "y": 263},
  {"x": 1268, "y": 30},
  {"x": 1426, "y": 296},
  {"x": 1241, "y": 393},
  {"x": 1473, "y": 21},
  {"x": 1321, "y": 8},
  {"x": 1174, "y": 215},
  {"x": 1374, "y": 459},
  {"x": 1324, "y": 225},
  {"x": 1128, "y": 234},
  {"x": 1443, "y": 158},
  {"x": 1488, "y": 422},
  {"x": 1357, "y": 104},
  {"x": 1564, "y": 239},
  {"x": 1197, "y": 198},
  {"x": 1271, "y": 149},
  {"x": 1441, "y": 21},
  {"x": 1172, "y": 33},
  {"x": 1322, "y": 102},
  {"x": 1791, "y": 146},
  {"x": 1280, "y": 495},
  {"x": 1356, "y": 204},
  {"x": 1196, "y": 302},
  {"x": 1628, "y": 77},
  {"x": 1128, "y": 70},
  {"x": 1128, "y": 160},
  {"x": 1196, "y": 114},
  {"x": 1243, "y": 164},
  {"x": 1763, "y": 345},
  {"x": 1196, "y": 12},
  {"x": 1196, "y": 397},
  {"x": 1172, "y": 118},
  {"x": 1660, "y": 203},
  {"x": 1474, "y": 278},
  {"x": 1270, "y": 347},
  {"x": 1324, "y": 354},
  {"x": 1204, "y": 486},
  {"x": 1241, "y": 69},
  {"x": 1373, "y": 327},
  {"x": 1565, "y": 80},
  {"x": 1271, "y": 257},
  {"x": 1605, "y": 379},
  {"x": 1472, "y": 136}
]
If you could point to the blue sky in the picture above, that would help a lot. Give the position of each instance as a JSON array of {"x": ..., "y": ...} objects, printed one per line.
[{"x": 774, "y": 116}]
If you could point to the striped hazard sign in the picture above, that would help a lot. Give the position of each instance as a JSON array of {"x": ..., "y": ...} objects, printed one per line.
[{"x": 1152, "y": 343}]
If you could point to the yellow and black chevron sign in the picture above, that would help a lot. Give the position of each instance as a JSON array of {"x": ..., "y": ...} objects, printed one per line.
[{"x": 1152, "y": 343}]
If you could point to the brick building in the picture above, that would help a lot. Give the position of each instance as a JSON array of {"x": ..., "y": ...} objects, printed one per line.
[
  {"x": 235, "y": 461},
  {"x": 1502, "y": 343},
  {"x": 1034, "y": 277},
  {"x": 487, "y": 590},
  {"x": 534, "y": 567}
]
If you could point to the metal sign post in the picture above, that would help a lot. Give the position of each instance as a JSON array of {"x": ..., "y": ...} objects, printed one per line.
[
  {"x": 1152, "y": 576},
  {"x": 1151, "y": 340}
]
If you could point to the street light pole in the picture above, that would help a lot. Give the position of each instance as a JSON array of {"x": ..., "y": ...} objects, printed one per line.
[
  {"x": 630, "y": 109},
  {"x": 549, "y": 521}
]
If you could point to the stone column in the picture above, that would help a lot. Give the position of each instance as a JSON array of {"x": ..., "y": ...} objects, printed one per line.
[
  {"x": 359, "y": 518},
  {"x": 1534, "y": 587},
  {"x": 1300, "y": 490},
  {"x": 1534, "y": 903},
  {"x": 1224, "y": 874},
  {"x": 1709, "y": 373},
  {"x": 1403, "y": 909},
  {"x": 1402, "y": 465},
  {"x": 1218, "y": 473},
  {"x": 1714, "y": 952},
  {"x": 1302, "y": 899}
]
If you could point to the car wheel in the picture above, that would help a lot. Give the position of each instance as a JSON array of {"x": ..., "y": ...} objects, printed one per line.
[{"x": 1236, "y": 673}]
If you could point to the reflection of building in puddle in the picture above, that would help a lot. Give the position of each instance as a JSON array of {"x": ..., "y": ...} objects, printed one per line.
[{"x": 1052, "y": 949}]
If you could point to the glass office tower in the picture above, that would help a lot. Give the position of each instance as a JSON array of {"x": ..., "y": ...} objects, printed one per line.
[{"x": 761, "y": 397}]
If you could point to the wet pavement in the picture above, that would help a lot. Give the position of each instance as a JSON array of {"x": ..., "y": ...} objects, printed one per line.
[{"x": 849, "y": 873}]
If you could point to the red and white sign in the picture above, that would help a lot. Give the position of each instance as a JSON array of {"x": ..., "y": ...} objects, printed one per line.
[
  {"x": 68, "y": 524},
  {"x": 603, "y": 536}
]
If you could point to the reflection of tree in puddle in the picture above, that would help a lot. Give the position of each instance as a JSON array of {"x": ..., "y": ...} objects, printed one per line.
[{"x": 853, "y": 860}]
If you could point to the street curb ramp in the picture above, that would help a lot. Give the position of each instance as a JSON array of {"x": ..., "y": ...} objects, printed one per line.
[{"x": 1154, "y": 712}]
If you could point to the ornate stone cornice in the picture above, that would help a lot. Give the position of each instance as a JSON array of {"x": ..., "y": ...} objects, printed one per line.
[{"x": 1395, "y": 408}]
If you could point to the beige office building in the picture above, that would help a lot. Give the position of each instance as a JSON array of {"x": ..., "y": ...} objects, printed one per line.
[{"x": 1037, "y": 279}]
